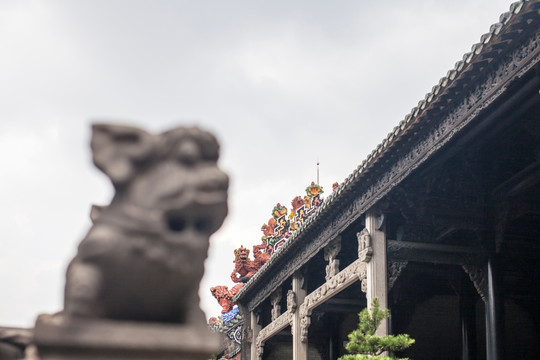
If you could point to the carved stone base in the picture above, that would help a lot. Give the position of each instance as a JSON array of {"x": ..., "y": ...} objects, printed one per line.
[{"x": 60, "y": 338}]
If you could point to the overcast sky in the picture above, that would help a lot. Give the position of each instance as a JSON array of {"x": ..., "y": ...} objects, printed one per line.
[{"x": 283, "y": 84}]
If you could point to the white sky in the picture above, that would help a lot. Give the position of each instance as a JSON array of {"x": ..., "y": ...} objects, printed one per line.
[{"x": 281, "y": 83}]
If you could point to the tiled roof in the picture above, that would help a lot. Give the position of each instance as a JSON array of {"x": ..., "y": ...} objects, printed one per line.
[{"x": 509, "y": 27}]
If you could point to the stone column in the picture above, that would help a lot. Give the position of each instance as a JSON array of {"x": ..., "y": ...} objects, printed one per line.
[
  {"x": 255, "y": 328},
  {"x": 300, "y": 348},
  {"x": 377, "y": 266},
  {"x": 493, "y": 313}
]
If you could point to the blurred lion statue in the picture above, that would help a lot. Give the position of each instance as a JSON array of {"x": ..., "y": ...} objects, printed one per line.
[{"x": 143, "y": 258}]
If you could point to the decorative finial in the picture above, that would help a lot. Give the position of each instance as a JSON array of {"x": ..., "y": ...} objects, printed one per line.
[{"x": 317, "y": 171}]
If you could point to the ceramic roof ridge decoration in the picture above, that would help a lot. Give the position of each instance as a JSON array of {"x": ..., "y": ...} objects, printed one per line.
[
  {"x": 224, "y": 296},
  {"x": 229, "y": 324},
  {"x": 282, "y": 224},
  {"x": 276, "y": 233},
  {"x": 225, "y": 321}
]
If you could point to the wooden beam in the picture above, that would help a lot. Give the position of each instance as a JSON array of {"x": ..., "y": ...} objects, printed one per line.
[{"x": 434, "y": 253}]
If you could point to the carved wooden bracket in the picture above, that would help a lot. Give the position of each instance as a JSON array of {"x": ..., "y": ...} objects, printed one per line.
[
  {"x": 394, "y": 270},
  {"x": 478, "y": 275}
]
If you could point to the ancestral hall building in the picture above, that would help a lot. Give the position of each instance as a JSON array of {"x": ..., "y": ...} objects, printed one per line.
[{"x": 441, "y": 223}]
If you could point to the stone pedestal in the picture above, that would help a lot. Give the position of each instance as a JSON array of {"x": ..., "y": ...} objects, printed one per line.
[{"x": 61, "y": 338}]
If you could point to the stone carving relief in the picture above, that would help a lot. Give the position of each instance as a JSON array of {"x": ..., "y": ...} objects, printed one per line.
[
  {"x": 331, "y": 251},
  {"x": 276, "y": 307},
  {"x": 363, "y": 285},
  {"x": 291, "y": 301},
  {"x": 305, "y": 321},
  {"x": 365, "y": 251},
  {"x": 270, "y": 330},
  {"x": 352, "y": 273},
  {"x": 260, "y": 351}
]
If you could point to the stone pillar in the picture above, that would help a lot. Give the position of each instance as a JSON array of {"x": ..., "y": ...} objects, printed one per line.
[
  {"x": 493, "y": 313},
  {"x": 300, "y": 348},
  {"x": 255, "y": 328},
  {"x": 377, "y": 286}
]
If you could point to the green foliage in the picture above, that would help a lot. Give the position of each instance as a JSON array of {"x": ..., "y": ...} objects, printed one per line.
[{"x": 365, "y": 345}]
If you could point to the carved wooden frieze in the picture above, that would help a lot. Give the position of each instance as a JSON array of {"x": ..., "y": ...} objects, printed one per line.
[
  {"x": 476, "y": 97},
  {"x": 331, "y": 252}
]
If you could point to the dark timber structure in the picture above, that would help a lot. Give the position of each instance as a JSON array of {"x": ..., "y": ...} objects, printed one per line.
[{"x": 441, "y": 223}]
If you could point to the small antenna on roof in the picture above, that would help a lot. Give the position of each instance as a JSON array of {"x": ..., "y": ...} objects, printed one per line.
[{"x": 317, "y": 171}]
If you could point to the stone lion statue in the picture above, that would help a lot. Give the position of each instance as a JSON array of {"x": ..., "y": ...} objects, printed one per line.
[{"x": 143, "y": 258}]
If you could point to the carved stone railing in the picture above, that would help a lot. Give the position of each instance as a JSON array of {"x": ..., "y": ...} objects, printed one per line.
[
  {"x": 352, "y": 273},
  {"x": 272, "y": 329}
]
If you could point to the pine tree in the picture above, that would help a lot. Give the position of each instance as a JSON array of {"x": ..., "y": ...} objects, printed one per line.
[{"x": 365, "y": 345}]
